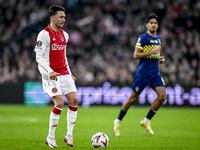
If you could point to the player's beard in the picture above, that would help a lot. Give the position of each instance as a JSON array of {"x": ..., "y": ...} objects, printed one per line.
[
  {"x": 59, "y": 25},
  {"x": 152, "y": 31},
  {"x": 62, "y": 24}
]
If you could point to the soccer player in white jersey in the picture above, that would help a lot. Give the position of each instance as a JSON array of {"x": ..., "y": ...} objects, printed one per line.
[{"x": 57, "y": 79}]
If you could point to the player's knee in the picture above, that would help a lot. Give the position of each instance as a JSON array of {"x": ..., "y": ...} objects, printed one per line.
[
  {"x": 132, "y": 99},
  {"x": 59, "y": 101},
  {"x": 162, "y": 97},
  {"x": 60, "y": 105},
  {"x": 74, "y": 101},
  {"x": 72, "y": 98}
]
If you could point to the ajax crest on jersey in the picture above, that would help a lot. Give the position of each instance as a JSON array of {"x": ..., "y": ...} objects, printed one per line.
[{"x": 100, "y": 140}]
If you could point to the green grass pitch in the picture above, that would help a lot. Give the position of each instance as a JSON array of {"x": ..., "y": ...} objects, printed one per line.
[{"x": 26, "y": 128}]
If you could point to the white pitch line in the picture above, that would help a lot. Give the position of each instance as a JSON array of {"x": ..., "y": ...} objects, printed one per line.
[{"x": 18, "y": 119}]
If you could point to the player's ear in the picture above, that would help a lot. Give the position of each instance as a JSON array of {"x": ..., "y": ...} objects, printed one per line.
[{"x": 52, "y": 18}]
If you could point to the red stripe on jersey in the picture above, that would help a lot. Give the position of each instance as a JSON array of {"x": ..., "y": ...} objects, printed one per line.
[
  {"x": 56, "y": 111},
  {"x": 57, "y": 51},
  {"x": 73, "y": 108}
]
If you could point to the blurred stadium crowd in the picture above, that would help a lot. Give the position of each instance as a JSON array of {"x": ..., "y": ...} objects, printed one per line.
[{"x": 103, "y": 34}]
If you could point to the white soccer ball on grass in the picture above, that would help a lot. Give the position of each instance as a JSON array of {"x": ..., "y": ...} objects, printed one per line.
[{"x": 100, "y": 140}]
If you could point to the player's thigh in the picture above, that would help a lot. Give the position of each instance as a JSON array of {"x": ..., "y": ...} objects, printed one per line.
[
  {"x": 58, "y": 101},
  {"x": 72, "y": 98},
  {"x": 134, "y": 96},
  {"x": 51, "y": 87},
  {"x": 160, "y": 90}
]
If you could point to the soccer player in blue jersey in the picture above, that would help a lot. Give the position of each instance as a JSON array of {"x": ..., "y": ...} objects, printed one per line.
[{"x": 147, "y": 49}]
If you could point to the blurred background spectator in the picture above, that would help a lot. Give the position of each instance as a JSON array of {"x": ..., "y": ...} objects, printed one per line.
[{"x": 102, "y": 35}]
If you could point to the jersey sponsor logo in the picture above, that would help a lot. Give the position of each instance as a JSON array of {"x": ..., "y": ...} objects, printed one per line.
[
  {"x": 155, "y": 55},
  {"x": 57, "y": 47},
  {"x": 151, "y": 41},
  {"x": 39, "y": 43}
]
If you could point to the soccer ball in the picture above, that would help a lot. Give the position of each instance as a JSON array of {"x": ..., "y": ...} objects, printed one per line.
[{"x": 100, "y": 140}]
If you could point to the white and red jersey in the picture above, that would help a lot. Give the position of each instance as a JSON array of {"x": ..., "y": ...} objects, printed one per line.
[{"x": 51, "y": 52}]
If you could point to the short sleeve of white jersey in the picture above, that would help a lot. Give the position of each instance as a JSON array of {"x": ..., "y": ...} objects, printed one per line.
[
  {"x": 42, "y": 45},
  {"x": 66, "y": 36}
]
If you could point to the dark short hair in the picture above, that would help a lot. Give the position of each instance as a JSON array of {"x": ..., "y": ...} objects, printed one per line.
[
  {"x": 53, "y": 10},
  {"x": 151, "y": 16}
]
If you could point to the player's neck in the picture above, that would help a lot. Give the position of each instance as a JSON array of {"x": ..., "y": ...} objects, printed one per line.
[
  {"x": 152, "y": 34},
  {"x": 53, "y": 27}
]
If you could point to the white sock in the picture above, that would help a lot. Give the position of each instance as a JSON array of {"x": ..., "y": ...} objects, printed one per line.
[
  {"x": 71, "y": 118},
  {"x": 118, "y": 121},
  {"x": 53, "y": 122},
  {"x": 146, "y": 119}
]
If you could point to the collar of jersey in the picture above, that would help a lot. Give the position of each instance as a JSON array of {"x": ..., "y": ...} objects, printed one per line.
[
  {"x": 54, "y": 32},
  {"x": 150, "y": 35}
]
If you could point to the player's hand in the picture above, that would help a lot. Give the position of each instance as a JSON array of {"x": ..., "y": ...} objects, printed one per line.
[
  {"x": 156, "y": 50},
  {"x": 73, "y": 77},
  {"x": 162, "y": 59},
  {"x": 53, "y": 75}
]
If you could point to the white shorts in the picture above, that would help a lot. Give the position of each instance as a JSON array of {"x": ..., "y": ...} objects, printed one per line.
[{"x": 64, "y": 85}]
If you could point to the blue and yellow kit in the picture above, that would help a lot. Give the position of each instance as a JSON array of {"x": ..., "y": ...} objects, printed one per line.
[{"x": 148, "y": 71}]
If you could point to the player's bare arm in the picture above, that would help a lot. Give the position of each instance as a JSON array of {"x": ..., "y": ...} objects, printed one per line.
[{"x": 139, "y": 54}]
